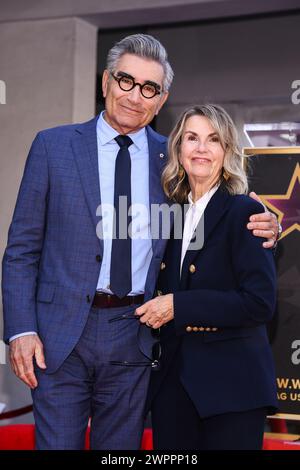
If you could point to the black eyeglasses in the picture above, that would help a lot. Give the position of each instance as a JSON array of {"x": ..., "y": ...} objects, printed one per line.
[
  {"x": 127, "y": 83},
  {"x": 154, "y": 361}
]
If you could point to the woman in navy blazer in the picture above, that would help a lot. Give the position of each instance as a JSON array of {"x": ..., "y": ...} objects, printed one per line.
[{"x": 216, "y": 292}]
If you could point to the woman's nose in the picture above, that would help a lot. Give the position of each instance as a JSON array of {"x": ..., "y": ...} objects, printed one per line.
[{"x": 201, "y": 146}]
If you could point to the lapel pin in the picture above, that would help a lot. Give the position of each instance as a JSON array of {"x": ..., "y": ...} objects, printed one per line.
[{"x": 161, "y": 155}]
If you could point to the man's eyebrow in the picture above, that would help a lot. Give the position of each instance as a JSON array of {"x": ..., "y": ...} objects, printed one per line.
[
  {"x": 156, "y": 85},
  {"x": 149, "y": 82},
  {"x": 124, "y": 74}
]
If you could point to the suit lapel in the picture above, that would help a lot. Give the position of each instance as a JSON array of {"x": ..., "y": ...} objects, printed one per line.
[
  {"x": 214, "y": 211},
  {"x": 84, "y": 144},
  {"x": 157, "y": 161}
]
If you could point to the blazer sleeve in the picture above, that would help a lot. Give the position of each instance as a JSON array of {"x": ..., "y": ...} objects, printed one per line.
[
  {"x": 249, "y": 304},
  {"x": 25, "y": 240}
]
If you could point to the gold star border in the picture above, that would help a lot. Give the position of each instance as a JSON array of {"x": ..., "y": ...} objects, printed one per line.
[{"x": 287, "y": 195}]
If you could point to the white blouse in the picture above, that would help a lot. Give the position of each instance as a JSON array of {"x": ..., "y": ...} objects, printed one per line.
[{"x": 192, "y": 218}]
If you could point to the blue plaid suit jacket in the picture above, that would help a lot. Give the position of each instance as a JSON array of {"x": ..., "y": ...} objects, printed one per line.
[{"x": 50, "y": 270}]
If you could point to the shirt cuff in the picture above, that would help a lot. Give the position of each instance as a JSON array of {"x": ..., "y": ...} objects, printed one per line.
[{"x": 22, "y": 334}]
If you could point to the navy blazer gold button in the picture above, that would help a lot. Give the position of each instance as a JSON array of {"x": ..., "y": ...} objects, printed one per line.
[{"x": 192, "y": 268}]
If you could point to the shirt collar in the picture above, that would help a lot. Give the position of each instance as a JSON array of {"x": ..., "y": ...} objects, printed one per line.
[{"x": 106, "y": 133}]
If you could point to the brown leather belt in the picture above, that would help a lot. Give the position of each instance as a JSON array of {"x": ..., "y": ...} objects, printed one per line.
[{"x": 102, "y": 300}]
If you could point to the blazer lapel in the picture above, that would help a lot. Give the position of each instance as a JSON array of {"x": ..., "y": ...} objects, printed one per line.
[
  {"x": 214, "y": 211},
  {"x": 85, "y": 150},
  {"x": 174, "y": 252}
]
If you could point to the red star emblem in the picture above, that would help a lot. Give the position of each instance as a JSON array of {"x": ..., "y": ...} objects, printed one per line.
[{"x": 287, "y": 206}]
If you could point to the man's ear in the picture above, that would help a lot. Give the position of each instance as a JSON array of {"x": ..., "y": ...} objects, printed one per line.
[
  {"x": 105, "y": 78},
  {"x": 161, "y": 102}
]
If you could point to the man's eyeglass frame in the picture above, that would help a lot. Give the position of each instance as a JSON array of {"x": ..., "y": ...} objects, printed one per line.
[
  {"x": 154, "y": 361},
  {"x": 118, "y": 79}
]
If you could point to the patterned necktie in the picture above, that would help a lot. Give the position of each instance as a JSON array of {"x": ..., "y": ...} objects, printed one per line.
[{"x": 120, "y": 268}]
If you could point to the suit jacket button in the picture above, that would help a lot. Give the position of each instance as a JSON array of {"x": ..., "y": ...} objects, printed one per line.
[
  {"x": 162, "y": 266},
  {"x": 192, "y": 268},
  {"x": 189, "y": 329},
  {"x": 195, "y": 328},
  {"x": 98, "y": 258}
]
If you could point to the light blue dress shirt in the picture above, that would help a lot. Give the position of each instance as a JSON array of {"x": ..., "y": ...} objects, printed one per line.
[{"x": 141, "y": 234}]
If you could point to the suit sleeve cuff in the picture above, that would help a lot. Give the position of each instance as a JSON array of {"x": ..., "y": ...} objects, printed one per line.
[{"x": 26, "y": 333}]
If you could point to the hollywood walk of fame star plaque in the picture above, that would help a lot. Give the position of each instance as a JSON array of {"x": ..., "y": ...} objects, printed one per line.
[{"x": 274, "y": 174}]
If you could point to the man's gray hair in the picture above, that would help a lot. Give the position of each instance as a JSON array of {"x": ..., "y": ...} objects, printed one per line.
[{"x": 142, "y": 45}]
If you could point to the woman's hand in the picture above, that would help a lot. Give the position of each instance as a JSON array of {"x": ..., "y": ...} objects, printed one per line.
[{"x": 156, "y": 312}]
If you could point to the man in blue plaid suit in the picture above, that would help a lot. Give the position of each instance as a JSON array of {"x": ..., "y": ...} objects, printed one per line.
[{"x": 73, "y": 341}]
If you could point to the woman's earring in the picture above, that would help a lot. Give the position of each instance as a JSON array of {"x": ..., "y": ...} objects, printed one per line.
[
  {"x": 181, "y": 172},
  {"x": 225, "y": 174}
]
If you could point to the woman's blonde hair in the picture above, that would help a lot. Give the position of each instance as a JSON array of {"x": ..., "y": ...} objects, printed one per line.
[{"x": 174, "y": 179}]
